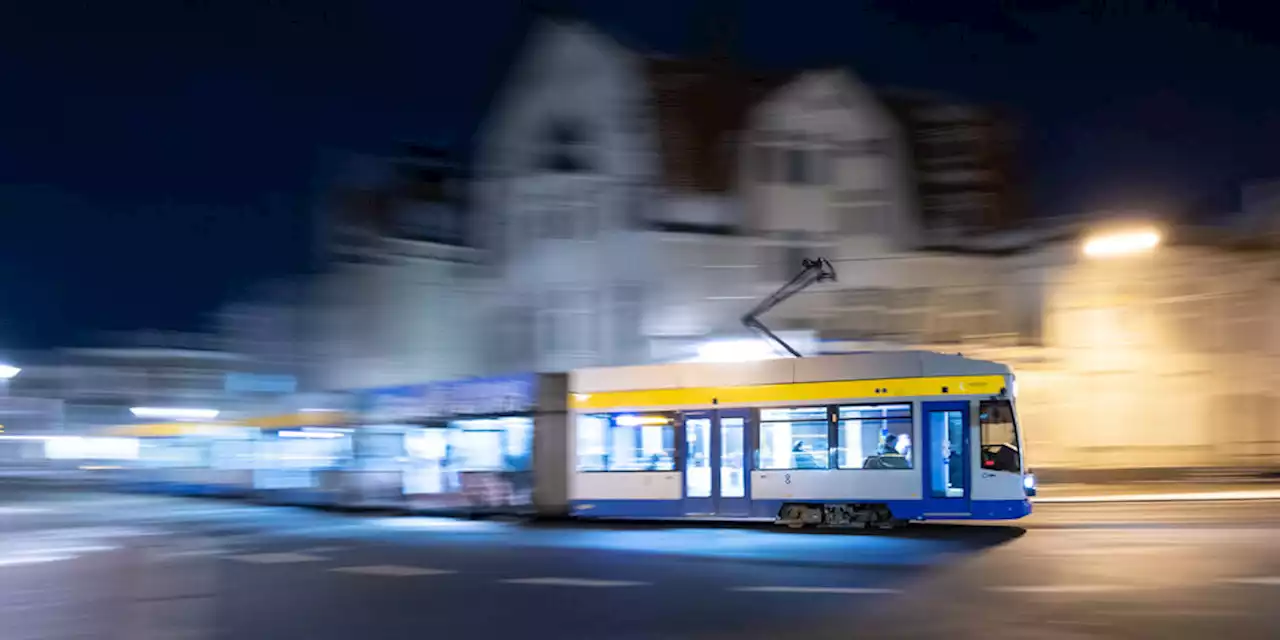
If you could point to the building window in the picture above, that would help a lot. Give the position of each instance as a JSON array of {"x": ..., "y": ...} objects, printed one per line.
[
  {"x": 791, "y": 261},
  {"x": 859, "y": 148},
  {"x": 797, "y": 166},
  {"x": 950, "y": 144},
  {"x": 860, "y": 219},
  {"x": 626, "y": 442},
  {"x": 794, "y": 438},
  {"x": 764, "y": 161},
  {"x": 876, "y": 147},
  {"x": 565, "y": 142},
  {"x": 875, "y": 437},
  {"x": 999, "y": 436}
]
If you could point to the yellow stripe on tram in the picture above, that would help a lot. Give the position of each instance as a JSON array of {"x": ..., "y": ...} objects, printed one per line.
[
  {"x": 291, "y": 420},
  {"x": 795, "y": 392},
  {"x": 155, "y": 430}
]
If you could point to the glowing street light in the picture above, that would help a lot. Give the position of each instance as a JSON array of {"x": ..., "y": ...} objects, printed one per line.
[
  {"x": 1123, "y": 243},
  {"x": 174, "y": 413}
]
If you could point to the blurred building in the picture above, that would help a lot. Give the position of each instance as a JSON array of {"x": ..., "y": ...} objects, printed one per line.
[
  {"x": 397, "y": 293},
  {"x": 270, "y": 332},
  {"x": 1166, "y": 359},
  {"x": 633, "y": 206},
  {"x": 964, "y": 162},
  {"x": 96, "y": 386},
  {"x": 624, "y": 207}
]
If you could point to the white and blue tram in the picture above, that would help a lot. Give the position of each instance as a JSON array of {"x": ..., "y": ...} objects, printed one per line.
[{"x": 851, "y": 440}]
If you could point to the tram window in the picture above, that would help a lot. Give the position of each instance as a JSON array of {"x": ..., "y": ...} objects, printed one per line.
[
  {"x": 999, "y": 436},
  {"x": 794, "y": 438},
  {"x": 875, "y": 437},
  {"x": 591, "y": 438},
  {"x": 493, "y": 444},
  {"x": 475, "y": 449},
  {"x": 642, "y": 447},
  {"x": 425, "y": 444},
  {"x": 626, "y": 443}
]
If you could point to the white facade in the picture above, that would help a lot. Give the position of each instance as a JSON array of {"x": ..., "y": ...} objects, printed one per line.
[
  {"x": 611, "y": 259},
  {"x": 827, "y": 159},
  {"x": 564, "y": 163},
  {"x": 591, "y": 254},
  {"x": 1166, "y": 359},
  {"x": 414, "y": 315}
]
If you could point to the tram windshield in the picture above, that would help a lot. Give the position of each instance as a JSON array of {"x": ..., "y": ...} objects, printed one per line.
[{"x": 999, "y": 436}]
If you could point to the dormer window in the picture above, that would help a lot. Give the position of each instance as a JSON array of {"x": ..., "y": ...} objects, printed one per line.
[{"x": 564, "y": 143}]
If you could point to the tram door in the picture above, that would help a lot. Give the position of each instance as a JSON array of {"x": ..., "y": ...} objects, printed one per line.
[
  {"x": 947, "y": 458},
  {"x": 716, "y": 472}
]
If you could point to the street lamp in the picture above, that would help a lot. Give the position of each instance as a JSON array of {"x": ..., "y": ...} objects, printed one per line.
[
  {"x": 1121, "y": 243},
  {"x": 7, "y": 373}
]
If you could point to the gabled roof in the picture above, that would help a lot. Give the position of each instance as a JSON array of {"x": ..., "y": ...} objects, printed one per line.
[{"x": 699, "y": 104}]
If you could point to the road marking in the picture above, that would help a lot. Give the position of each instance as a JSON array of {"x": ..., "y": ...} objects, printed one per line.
[
  {"x": 322, "y": 550},
  {"x": 856, "y": 591},
  {"x": 392, "y": 570},
  {"x": 1270, "y": 581},
  {"x": 575, "y": 582},
  {"x": 189, "y": 553},
  {"x": 1060, "y": 588},
  {"x": 1261, "y": 494},
  {"x": 9, "y": 562},
  {"x": 275, "y": 558},
  {"x": 57, "y": 551},
  {"x": 1114, "y": 551},
  {"x": 21, "y": 511}
]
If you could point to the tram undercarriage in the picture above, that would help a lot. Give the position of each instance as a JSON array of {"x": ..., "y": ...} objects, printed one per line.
[{"x": 847, "y": 516}]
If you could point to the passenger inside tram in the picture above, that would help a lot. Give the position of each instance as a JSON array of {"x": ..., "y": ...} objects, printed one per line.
[
  {"x": 889, "y": 446},
  {"x": 888, "y": 456},
  {"x": 955, "y": 470},
  {"x": 804, "y": 457}
]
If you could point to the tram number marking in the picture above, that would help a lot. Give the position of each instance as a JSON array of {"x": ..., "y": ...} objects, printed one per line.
[{"x": 787, "y": 478}]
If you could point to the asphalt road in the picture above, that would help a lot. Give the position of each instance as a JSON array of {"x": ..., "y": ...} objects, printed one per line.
[{"x": 82, "y": 565}]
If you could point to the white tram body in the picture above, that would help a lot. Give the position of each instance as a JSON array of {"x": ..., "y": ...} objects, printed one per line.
[
  {"x": 861, "y": 439},
  {"x": 851, "y": 440}
]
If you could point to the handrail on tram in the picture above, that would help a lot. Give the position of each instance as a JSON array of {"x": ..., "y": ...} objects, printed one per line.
[{"x": 812, "y": 272}]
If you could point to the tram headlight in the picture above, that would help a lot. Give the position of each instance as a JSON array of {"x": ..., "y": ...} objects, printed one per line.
[{"x": 1029, "y": 484}]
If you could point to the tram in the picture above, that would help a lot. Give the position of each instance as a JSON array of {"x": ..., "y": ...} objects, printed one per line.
[
  {"x": 870, "y": 439},
  {"x": 286, "y": 459}
]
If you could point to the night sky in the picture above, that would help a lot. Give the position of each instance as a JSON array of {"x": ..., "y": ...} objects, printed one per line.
[{"x": 157, "y": 156}]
